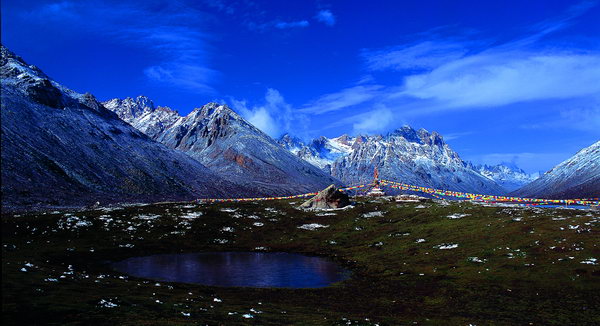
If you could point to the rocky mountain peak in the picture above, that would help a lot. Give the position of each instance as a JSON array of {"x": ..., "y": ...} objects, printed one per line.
[
  {"x": 129, "y": 109},
  {"x": 226, "y": 143}
]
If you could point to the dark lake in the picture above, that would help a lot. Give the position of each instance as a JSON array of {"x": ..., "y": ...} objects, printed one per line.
[{"x": 251, "y": 269}]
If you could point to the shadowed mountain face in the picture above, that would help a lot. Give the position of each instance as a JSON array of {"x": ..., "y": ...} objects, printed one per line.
[
  {"x": 577, "y": 177},
  {"x": 225, "y": 143},
  {"x": 406, "y": 155},
  {"x": 61, "y": 148}
]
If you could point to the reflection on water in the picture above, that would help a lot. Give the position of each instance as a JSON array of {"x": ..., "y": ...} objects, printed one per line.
[{"x": 253, "y": 269}]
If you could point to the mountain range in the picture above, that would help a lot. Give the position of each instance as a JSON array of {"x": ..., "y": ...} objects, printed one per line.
[
  {"x": 62, "y": 148},
  {"x": 406, "y": 155},
  {"x": 227, "y": 144}
]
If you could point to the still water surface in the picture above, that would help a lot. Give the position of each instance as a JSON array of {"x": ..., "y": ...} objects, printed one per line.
[{"x": 252, "y": 269}]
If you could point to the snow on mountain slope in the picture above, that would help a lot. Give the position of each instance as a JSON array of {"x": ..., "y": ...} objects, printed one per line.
[
  {"x": 405, "y": 155},
  {"x": 577, "y": 177},
  {"x": 229, "y": 145},
  {"x": 507, "y": 175},
  {"x": 61, "y": 148}
]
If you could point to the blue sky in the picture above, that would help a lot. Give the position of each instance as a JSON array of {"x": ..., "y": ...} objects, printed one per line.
[{"x": 502, "y": 81}]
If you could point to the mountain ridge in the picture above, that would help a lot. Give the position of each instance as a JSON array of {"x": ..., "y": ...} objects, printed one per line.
[
  {"x": 413, "y": 156},
  {"x": 221, "y": 139},
  {"x": 62, "y": 148},
  {"x": 576, "y": 177}
]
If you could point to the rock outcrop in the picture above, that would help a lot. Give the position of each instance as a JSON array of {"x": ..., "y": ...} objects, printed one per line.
[{"x": 328, "y": 198}]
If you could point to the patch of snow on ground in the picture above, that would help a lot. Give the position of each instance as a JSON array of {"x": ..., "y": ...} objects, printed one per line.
[
  {"x": 447, "y": 246},
  {"x": 191, "y": 215},
  {"x": 325, "y": 214},
  {"x": 107, "y": 304},
  {"x": 148, "y": 217},
  {"x": 372, "y": 214},
  {"x": 457, "y": 216},
  {"x": 312, "y": 226}
]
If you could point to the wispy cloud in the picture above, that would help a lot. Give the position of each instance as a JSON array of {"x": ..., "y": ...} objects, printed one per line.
[
  {"x": 276, "y": 24},
  {"x": 420, "y": 55},
  {"x": 222, "y": 6},
  {"x": 326, "y": 17},
  {"x": 495, "y": 78},
  {"x": 466, "y": 72},
  {"x": 374, "y": 121},
  {"x": 161, "y": 27},
  {"x": 579, "y": 117},
  {"x": 273, "y": 117},
  {"x": 343, "y": 99},
  {"x": 292, "y": 24},
  {"x": 456, "y": 135},
  {"x": 552, "y": 25}
]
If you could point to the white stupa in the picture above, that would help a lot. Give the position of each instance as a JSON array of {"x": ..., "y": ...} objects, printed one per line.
[{"x": 376, "y": 191}]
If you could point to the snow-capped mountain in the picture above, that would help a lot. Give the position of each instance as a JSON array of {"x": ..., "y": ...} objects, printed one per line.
[
  {"x": 507, "y": 175},
  {"x": 227, "y": 144},
  {"x": 62, "y": 148},
  {"x": 577, "y": 177},
  {"x": 320, "y": 152},
  {"x": 411, "y": 156}
]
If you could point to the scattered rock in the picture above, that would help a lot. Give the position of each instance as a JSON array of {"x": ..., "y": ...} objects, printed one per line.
[{"x": 328, "y": 198}]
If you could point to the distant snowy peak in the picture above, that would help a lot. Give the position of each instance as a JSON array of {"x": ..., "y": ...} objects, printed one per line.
[
  {"x": 291, "y": 143},
  {"x": 507, "y": 175},
  {"x": 320, "y": 152}
]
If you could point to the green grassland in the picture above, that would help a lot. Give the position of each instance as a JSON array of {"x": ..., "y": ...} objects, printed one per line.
[{"x": 503, "y": 265}]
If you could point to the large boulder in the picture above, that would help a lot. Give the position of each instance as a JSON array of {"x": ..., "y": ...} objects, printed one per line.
[{"x": 329, "y": 197}]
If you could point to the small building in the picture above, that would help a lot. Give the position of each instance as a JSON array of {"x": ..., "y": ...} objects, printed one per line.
[{"x": 376, "y": 191}]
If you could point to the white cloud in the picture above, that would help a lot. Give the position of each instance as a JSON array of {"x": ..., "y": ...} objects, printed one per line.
[
  {"x": 182, "y": 47},
  {"x": 293, "y": 24},
  {"x": 421, "y": 55},
  {"x": 325, "y": 16},
  {"x": 583, "y": 118},
  {"x": 273, "y": 117},
  {"x": 377, "y": 120},
  {"x": 345, "y": 98},
  {"x": 456, "y": 135},
  {"x": 495, "y": 78}
]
